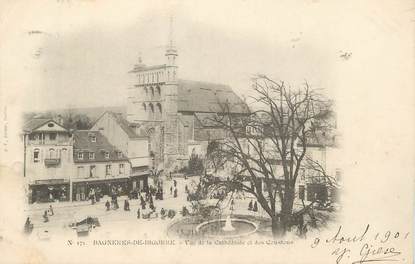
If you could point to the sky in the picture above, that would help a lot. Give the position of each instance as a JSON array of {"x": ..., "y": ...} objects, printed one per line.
[{"x": 81, "y": 51}]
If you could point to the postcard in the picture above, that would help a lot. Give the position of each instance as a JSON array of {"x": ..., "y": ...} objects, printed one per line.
[{"x": 207, "y": 131}]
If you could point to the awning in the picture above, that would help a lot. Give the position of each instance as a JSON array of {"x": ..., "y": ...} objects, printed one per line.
[
  {"x": 94, "y": 180},
  {"x": 50, "y": 182}
]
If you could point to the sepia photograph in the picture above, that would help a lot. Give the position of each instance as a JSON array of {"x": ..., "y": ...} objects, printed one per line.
[{"x": 200, "y": 132}]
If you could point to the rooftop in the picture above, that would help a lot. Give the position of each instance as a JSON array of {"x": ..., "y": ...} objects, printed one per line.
[
  {"x": 142, "y": 68},
  {"x": 195, "y": 96},
  {"x": 35, "y": 123},
  {"x": 101, "y": 146},
  {"x": 127, "y": 127}
]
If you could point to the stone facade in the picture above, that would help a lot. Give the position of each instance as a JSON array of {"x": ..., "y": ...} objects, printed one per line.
[{"x": 166, "y": 108}]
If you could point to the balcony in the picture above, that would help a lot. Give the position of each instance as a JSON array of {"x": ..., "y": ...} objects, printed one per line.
[{"x": 52, "y": 162}]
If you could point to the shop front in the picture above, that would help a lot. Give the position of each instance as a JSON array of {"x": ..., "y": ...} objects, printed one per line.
[
  {"x": 45, "y": 191},
  {"x": 81, "y": 189},
  {"x": 139, "y": 182}
]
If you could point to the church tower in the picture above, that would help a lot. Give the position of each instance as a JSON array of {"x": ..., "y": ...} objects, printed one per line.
[
  {"x": 170, "y": 89},
  {"x": 152, "y": 105}
]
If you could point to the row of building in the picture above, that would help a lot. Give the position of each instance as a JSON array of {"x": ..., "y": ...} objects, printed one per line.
[{"x": 65, "y": 165}]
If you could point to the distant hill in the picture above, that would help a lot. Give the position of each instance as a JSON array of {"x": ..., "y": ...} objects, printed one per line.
[
  {"x": 93, "y": 113},
  {"x": 74, "y": 118}
]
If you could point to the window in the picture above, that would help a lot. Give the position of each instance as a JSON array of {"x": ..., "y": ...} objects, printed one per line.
[
  {"x": 158, "y": 90},
  {"x": 52, "y": 136},
  {"x": 144, "y": 107},
  {"x": 92, "y": 171},
  {"x": 107, "y": 155},
  {"x": 52, "y": 153},
  {"x": 80, "y": 155},
  {"x": 36, "y": 155},
  {"x": 107, "y": 170},
  {"x": 121, "y": 169},
  {"x": 119, "y": 154},
  {"x": 32, "y": 137},
  {"x": 51, "y": 125},
  {"x": 91, "y": 155},
  {"x": 80, "y": 171},
  {"x": 93, "y": 138}
]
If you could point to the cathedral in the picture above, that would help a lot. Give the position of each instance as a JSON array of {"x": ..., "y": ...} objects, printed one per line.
[{"x": 174, "y": 112}]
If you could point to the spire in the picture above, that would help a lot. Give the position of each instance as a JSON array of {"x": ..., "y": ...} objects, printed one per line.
[
  {"x": 171, "y": 33},
  {"x": 171, "y": 51}
]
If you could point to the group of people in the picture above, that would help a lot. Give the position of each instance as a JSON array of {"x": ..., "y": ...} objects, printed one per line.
[
  {"x": 94, "y": 195},
  {"x": 48, "y": 213},
  {"x": 253, "y": 206}
]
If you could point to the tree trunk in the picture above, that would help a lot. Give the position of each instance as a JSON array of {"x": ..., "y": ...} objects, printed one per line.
[
  {"x": 287, "y": 210},
  {"x": 277, "y": 230}
]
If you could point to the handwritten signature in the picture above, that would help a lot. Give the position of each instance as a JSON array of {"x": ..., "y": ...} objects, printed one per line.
[{"x": 376, "y": 247}]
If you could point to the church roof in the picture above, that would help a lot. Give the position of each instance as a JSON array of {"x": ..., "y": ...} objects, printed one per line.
[
  {"x": 195, "y": 96},
  {"x": 142, "y": 68}
]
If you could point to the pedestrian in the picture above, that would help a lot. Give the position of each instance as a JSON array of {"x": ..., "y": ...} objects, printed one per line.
[
  {"x": 143, "y": 203},
  {"x": 255, "y": 209},
  {"x": 185, "y": 212},
  {"x": 28, "y": 226},
  {"x": 175, "y": 193},
  {"x": 45, "y": 217},
  {"x": 171, "y": 190},
  {"x": 138, "y": 213},
  {"x": 126, "y": 205},
  {"x": 51, "y": 210},
  {"x": 186, "y": 189},
  {"x": 152, "y": 206},
  {"x": 162, "y": 213},
  {"x": 232, "y": 205},
  {"x": 107, "y": 205},
  {"x": 92, "y": 196},
  {"x": 250, "y": 205}
]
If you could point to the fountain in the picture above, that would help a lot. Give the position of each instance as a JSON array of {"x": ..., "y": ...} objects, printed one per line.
[
  {"x": 226, "y": 228},
  {"x": 228, "y": 225}
]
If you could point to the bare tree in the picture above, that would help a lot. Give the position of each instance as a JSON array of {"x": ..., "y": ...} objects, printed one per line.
[{"x": 268, "y": 145}]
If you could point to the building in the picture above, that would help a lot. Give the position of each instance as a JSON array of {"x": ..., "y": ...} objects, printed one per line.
[
  {"x": 48, "y": 160},
  {"x": 321, "y": 172},
  {"x": 63, "y": 165},
  {"x": 169, "y": 108},
  {"x": 132, "y": 141}
]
